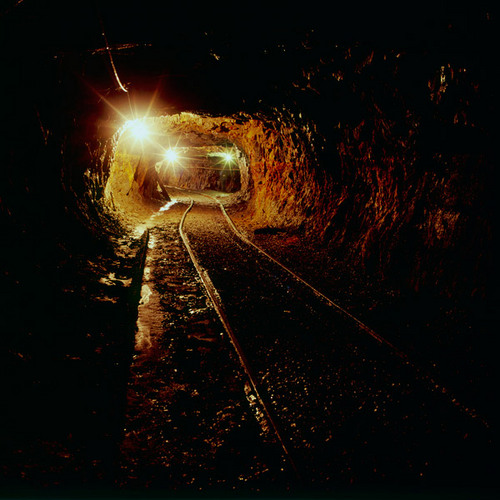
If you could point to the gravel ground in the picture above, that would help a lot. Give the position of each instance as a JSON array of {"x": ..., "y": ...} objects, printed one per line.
[
  {"x": 449, "y": 338},
  {"x": 352, "y": 411},
  {"x": 191, "y": 424}
]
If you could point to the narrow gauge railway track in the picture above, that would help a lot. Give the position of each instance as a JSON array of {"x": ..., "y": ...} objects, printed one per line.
[
  {"x": 191, "y": 423},
  {"x": 360, "y": 324},
  {"x": 471, "y": 412},
  {"x": 216, "y": 301},
  {"x": 343, "y": 407}
]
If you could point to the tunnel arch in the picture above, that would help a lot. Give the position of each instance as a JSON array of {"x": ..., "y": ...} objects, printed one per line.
[
  {"x": 359, "y": 169},
  {"x": 183, "y": 150},
  {"x": 274, "y": 155},
  {"x": 357, "y": 142}
]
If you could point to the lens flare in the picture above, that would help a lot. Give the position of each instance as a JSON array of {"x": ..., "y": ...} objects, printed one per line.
[
  {"x": 171, "y": 155},
  {"x": 138, "y": 129},
  {"x": 226, "y": 157}
]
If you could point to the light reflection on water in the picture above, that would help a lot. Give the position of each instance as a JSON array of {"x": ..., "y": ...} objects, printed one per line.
[{"x": 167, "y": 205}]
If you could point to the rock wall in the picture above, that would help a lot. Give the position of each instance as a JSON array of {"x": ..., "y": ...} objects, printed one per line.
[
  {"x": 398, "y": 182},
  {"x": 382, "y": 151},
  {"x": 387, "y": 155},
  {"x": 415, "y": 190}
]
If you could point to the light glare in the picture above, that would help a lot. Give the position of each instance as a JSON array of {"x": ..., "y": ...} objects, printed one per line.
[
  {"x": 138, "y": 129},
  {"x": 171, "y": 155},
  {"x": 227, "y": 157}
]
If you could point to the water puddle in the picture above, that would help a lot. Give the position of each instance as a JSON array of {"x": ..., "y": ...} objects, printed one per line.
[
  {"x": 143, "y": 336},
  {"x": 145, "y": 295},
  {"x": 167, "y": 205}
]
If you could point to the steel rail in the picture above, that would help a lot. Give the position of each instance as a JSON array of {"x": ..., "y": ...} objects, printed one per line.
[
  {"x": 319, "y": 294},
  {"x": 217, "y": 303},
  {"x": 471, "y": 412}
]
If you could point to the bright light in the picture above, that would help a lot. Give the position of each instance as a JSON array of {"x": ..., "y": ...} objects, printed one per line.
[
  {"x": 171, "y": 155},
  {"x": 138, "y": 129},
  {"x": 167, "y": 205},
  {"x": 227, "y": 158}
]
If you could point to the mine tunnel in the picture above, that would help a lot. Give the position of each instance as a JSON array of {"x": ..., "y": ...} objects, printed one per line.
[
  {"x": 178, "y": 150},
  {"x": 247, "y": 251}
]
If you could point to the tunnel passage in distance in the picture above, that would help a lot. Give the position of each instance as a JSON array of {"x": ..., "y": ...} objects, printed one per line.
[{"x": 154, "y": 153}]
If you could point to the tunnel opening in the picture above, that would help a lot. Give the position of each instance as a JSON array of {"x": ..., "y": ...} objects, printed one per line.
[{"x": 179, "y": 151}]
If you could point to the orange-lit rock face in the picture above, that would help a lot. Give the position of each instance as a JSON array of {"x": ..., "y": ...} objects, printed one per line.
[
  {"x": 271, "y": 167},
  {"x": 392, "y": 173},
  {"x": 396, "y": 189},
  {"x": 394, "y": 203},
  {"x": 184, "y": 150}
]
